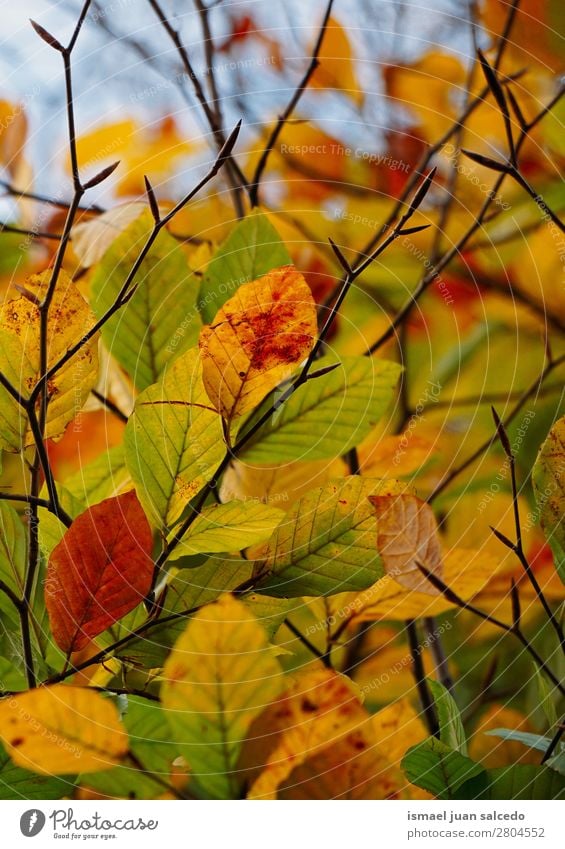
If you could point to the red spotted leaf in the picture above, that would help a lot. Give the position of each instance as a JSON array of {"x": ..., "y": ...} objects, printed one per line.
[{"x": 100, "y": 570}]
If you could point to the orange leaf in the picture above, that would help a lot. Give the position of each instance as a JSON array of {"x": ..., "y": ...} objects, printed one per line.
[
  {"x": 100, "y": 570},
  {"x": 257, "y": 339},
  {"x": 407, "y": 535}
]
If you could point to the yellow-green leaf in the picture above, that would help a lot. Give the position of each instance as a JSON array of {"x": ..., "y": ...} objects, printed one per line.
[
  {"x": 229, "y": 527},
  {"x": 173, "y": 440},
  {"x": 329, "y": 414},
  {"x": 13, "y": 549},
  {"x": 327, "y": 543},
  {"x": 161, "y": 319},
  {"x": 252, "y": 249},
  {"x": 219, "y": 676}
]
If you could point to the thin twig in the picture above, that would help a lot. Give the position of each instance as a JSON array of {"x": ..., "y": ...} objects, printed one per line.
[
  {"x": 306, "y": 642},
  {"x": 513, "y": 629},
  {"x": 291, "y": 106},
  {"x": 518, "y": 546},
  {"x": 237, "y": 178}
]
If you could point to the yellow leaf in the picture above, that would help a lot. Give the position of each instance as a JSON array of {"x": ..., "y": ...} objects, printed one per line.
[
  {"x": 62, "y": 730},
  {"x": 426, "y": 88},
  {"x": 337, "y": 68},
  {"x": 278, "y": 484},
  {"x": 395, "y": 456},
  {"x": 354, "y": 767},
  {"x": 494, "y": 752},
  {"x": 397, "y": 728},
  {"x": 219, "y": 676},
  {"x": 257, "y": 339},
  {"x": 140, "y": 150},
  {"x": 69, "y": 318},
  {"x": 466, "y": 572},
  {"x": 317, "y": 711},
  {"x": 407, "y": 536}
]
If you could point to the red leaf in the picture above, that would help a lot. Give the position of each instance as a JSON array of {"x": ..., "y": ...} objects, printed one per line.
[{"x": 101, "y": 569}]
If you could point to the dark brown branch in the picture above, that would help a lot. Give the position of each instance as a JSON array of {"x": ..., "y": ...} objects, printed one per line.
[
  {"x": 109, "y": 404},
  {"x": 418, "y": 671}
]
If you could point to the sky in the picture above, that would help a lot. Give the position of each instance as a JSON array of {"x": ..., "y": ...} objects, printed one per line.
[{"x": 112, "y": 81}]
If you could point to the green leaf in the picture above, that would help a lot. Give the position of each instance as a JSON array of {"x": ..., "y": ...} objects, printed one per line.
[
  {"x": 161, "y": 319},
  {"x": 229, "y": 527},
  {"x": 548, "y": 477},
  {"x": 103, "y": 478},
  {"x": 51, "y": 529},
  {"x": 548, "y": 697},
  {"x": 11, "y": 678},
  {"x": 20, "y": 784},
  {"x": 173, "y": 441},
  {"x": 520, "y": 781},
  {"x": 451, "y": 728},
  {"x": 13, "y": 557},
  {"x": 438, "y": 769},
  {"x": 328, "y": 415},
  {"x": 533, "y": 741},
  {"x": 327, "y": 543},
  {"x": 150, "y": 742},
  {"x": 252, "y": 249}
]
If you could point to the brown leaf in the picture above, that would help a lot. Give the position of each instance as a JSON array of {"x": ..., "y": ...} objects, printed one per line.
[
  {"x": 407, "y": 535},
  {"x": 101, "y": 569}
]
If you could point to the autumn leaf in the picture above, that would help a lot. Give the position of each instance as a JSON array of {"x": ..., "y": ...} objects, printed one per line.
[
  {"x": 141, "y": 150},
  {"x": 318, "y": 709},
  {"x": 256, "y": 340},
  {"x": 101, "y": 569},
  {"x": 13, "y": 554},
  {"x": 337, "y": 66},
  {"x": 252, "y": 249},
  {"x": 363, "y": 764},
  {"x": 69, "y": 319},
  {"x": 60, "y": 730},
  {"x": 407, "y": 536},
  {"x": 467, "y": 572},
  {"x": 219, "y": 676}
]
